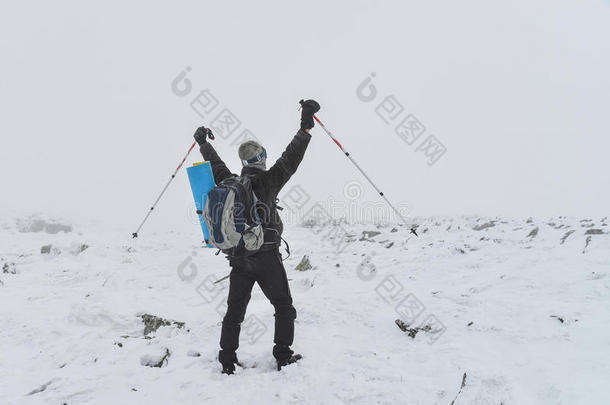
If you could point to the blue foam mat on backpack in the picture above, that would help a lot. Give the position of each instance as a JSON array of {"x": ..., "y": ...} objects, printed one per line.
[{"x": 202, "y": 181}]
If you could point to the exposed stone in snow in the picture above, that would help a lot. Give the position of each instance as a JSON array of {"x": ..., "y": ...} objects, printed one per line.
[
  {"x": 40, "y": 389},
  {"x": 533, "y": 233},
  {"x": 565, "y": 236},
  {"x": 486, "y": 225},
  {"x": 50, "y": 249},
  {"x": 152, "y": 323},
  {"x": 158, "y": 360},
  {"x": 412, "y": 331},
  {"x": 369, "y": 234},
  {"x": 304, "y": 264},
  {"x": 9, "y": 268},
  {"x": 587, "y": 241},
  {"x": 80, "y": 248},
  {"x": 41, "y": 225}
]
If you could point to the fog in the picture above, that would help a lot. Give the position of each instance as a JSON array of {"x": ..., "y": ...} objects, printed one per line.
[{"x": 517, "y": 93}]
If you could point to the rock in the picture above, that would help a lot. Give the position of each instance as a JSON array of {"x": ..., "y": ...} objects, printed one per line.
[
  {"x": 389, "y": 245},
  {"x": 50, "y": 249},
  {"x": 369, "y": 234},
  {"x": 412, "y": 332},
  {"x": 485, "y": 226},
  {"x": 394, "y": 230},
  {"x": 304, "y": 265},
  {"x": 155, "y": 360},
  {"x": 193, "y": 353},
  {"x": 81, "y": 248},
  {"x": 461, "y": 388},
  {"x": 9, "y": 268},
  {"x": 40, "y": 389},
  {"x": 565, "y": 236},
  {"x": 152, "y": 323},
  {"x": 401, "y": 325},
  {"x": 594, "y": 232},
  {"x": 41, "y": 225},
  {"x": 533, "y": 233},
  {"x": 587, "y": 241},
  {"x": 560, "y": 319}
]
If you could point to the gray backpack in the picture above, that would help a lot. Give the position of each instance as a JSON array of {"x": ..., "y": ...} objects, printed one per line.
[{"x": 231, "y": 217}]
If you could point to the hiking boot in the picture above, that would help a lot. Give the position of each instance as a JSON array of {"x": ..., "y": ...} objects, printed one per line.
[
  {"x": 228, "y": 361},
  {"x": 284, "y": 362},
  {"x": 228, "y": 369}
]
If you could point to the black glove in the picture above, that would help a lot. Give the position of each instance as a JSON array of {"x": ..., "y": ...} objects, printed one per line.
[
  {"x": 308, "y": 109},
  {"x": 202, "y": 134}
]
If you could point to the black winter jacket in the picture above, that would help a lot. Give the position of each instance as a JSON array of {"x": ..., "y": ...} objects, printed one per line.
[{"x": 266, "y": 184}]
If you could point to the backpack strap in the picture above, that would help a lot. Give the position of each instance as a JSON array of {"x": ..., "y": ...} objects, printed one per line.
[
  {"x": 277, "y": 200},
  {"x": 287, "y": 249}
]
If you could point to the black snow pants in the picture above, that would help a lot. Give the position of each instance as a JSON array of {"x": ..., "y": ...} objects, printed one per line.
[{"x": 265, "y": 268}]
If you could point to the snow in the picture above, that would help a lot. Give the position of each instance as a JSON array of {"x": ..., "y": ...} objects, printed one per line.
[{"x": 523, "y": 314}]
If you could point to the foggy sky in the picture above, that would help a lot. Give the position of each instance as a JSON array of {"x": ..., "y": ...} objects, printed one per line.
[{"x": 517, "y": 92}]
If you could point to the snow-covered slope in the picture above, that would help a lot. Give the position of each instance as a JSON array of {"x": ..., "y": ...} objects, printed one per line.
[{"x": 494, "y": 311}]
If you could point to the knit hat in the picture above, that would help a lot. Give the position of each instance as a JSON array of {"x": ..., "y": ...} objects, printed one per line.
[{"x": 252, "y": 153}]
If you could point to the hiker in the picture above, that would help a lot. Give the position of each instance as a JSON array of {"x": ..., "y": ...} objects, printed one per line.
[{"x": 264, "y": 266}]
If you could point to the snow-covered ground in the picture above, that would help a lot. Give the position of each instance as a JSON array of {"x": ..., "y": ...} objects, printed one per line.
[{"x": 508, "y": 312}]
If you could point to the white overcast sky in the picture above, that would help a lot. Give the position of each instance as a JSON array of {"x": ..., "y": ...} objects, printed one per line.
[{"x": 517, "y": 91}]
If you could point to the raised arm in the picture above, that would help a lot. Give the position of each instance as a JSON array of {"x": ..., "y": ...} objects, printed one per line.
[
  {"x": 219, "y": 168},
  {"x": 288, "y": 163}
]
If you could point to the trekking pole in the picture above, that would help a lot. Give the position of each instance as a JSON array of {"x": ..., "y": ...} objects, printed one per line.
[
  {"x": 135, "y": 234},
  {"x": 221, "y": 279},
  {"x": 364, "y": 174}
]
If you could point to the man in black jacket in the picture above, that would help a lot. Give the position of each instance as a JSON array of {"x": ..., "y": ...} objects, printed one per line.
[{"x": 265, "y": 266}]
